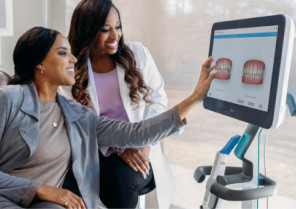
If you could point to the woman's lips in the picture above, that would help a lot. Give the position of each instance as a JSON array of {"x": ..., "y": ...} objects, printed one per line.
[
  {"x": 253, "y": 72},
  {"x": 223, "y": 66}
]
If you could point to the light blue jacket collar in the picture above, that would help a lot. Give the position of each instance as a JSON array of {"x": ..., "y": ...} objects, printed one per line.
[{"x": 31, "y": 105}]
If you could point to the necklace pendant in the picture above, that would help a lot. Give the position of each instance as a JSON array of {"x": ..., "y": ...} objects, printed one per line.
[{"x": 54, "y": 124}]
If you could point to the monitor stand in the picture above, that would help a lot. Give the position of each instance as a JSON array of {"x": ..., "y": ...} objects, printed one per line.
[{"x": 244, "y": 183}]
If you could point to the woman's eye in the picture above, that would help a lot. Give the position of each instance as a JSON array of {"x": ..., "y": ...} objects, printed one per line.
[
  {"x": 63, "y": 53},
  {"x": 118, "y": 27},
  {"x": 105, "y": 30}
]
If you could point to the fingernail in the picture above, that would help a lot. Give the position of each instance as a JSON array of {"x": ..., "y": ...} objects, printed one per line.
[{"x": 145, "y": 176}]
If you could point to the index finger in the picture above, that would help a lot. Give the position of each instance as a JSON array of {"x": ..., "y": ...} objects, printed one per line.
[
  {"x": 211, "y": 68},
  {"x": 80, "y": 201},
  {"x": 142, "y": 162},
  {"x": 208, "y": 62}
]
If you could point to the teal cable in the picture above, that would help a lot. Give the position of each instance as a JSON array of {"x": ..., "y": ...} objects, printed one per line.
[{"x": 258, "y": 162}]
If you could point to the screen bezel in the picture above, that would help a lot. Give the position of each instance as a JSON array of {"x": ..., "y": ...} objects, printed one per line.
[{"x": 257, "y": 117}]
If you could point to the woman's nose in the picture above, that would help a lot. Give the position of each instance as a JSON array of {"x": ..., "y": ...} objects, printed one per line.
[
  {"x": 73, "y": 59},
  {"x": 113, "y": 34}
]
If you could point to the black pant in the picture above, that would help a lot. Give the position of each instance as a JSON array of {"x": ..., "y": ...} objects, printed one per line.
[{"x": 120, "y": 185}]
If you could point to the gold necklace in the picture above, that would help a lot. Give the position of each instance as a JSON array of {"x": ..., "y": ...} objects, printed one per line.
[{"x": 54, "y": 123}]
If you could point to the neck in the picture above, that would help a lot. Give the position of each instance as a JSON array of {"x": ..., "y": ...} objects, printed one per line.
[
  {"x": 102, "y": 64},
  {"x": 46, "y": 92}
]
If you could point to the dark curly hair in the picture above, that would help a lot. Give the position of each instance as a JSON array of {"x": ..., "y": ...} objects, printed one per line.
[
  {"x": 88, "y": 17},
  {"x": 30, "y": 50}
]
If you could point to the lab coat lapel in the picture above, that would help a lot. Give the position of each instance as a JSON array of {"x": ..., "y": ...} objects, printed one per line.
[
  {"x": 124, "y": 90},
  {"x": 92, "y": 89}
]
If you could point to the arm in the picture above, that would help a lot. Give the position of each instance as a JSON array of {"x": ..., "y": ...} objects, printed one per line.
[
  {"x": 121, "y": 134},
  {"x": 22, "y": 191},
  {"x": 17, "y": 190}
]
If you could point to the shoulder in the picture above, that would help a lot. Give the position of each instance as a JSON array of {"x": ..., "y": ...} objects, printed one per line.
[
  {"x": 135, "y": 46},
  {"x": 141, "y": 53},
  {"x": 74, "y": 108},
  {"x": 11, "y": 93}
]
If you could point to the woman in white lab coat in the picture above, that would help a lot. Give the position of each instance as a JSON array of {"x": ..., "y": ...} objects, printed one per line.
[{"x": 119, "y": 80}]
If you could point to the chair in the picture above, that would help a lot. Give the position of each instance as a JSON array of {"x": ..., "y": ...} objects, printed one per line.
[{"x": 4, "y": 78}]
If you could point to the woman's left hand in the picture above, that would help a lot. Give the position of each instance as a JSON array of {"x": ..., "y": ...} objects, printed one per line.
[{"x": 137, "y": 159}]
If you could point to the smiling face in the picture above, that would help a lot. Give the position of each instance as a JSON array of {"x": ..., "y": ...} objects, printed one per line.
[
  {"x": 58, "y": 65},
  {"x": 109, "y": 35}
]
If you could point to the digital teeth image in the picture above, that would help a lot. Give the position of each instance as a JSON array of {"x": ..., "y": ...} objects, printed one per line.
[
  {"x": 223, "y": 66},
  {"x": 253, "y": 72}
]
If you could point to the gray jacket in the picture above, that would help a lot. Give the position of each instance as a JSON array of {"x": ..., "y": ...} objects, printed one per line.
[{"x": 19, "y": 135}]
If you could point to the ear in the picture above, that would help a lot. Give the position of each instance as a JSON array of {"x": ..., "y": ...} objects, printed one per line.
[{"x": 39, "y": 66}]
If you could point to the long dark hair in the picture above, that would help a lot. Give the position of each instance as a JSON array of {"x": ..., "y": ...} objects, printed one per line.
[
  {"x": 30, "y": 50},
  {"x": 88, "y": 18}
]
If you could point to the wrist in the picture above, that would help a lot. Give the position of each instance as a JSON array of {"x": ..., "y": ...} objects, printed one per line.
[
  {"x": 41, "y": 191},
  {"x": 196, "y": 97}
]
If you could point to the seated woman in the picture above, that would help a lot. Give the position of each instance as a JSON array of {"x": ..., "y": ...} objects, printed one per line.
[{"x": 43, "y": 135}]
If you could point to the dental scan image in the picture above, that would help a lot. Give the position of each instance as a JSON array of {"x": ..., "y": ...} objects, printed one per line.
[
  {"x": 253, "y": 72},
  {"x": 245, "y": 58},
  {"x": 223, "y": 66}
]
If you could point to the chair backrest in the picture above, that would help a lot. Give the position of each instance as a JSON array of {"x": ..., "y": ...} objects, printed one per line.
[{"x": 4, "y": 78}]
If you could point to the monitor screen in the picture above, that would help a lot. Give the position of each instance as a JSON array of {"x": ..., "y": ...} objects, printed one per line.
[
  {"x": 248, "y": 56},
  {"x": 244, "y": 59}
]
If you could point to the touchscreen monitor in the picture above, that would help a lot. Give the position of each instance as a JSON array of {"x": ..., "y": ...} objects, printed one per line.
[{"x": 251, "y": 59}]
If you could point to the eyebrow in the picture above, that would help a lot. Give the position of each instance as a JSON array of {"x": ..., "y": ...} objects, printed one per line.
[
  {"x": 65, "y": 48},
  {"x": 109, "y": 25}
]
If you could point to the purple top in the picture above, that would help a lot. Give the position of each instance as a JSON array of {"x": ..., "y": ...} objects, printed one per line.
[
  {"x": 109, "y": 99},
  {"x": 108, "y": 94}
]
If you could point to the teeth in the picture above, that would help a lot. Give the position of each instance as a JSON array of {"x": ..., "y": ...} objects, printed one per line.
[
  {"x": 253, "y": 72},
  {"x": 224, "y": 68},
  {"x": 112, "y": 44},
  {"x": 71, "y": 70}
]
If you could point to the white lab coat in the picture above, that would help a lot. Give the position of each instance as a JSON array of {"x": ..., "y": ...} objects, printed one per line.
[{"x": 162, "y": 172}]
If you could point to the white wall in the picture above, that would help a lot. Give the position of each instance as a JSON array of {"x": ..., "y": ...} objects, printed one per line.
[
  {"x": 54, "y": 14},
  {"x": 26, "y": 14}
]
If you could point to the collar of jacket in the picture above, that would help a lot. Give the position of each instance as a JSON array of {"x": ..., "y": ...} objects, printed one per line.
[{"x": 31, "y": 105}]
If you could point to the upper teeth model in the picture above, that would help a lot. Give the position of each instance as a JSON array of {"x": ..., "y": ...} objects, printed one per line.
[
  {"x": 253, "y": 72},
  {"x": 223, "y": 66}
]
